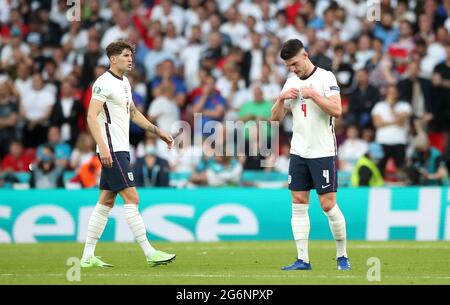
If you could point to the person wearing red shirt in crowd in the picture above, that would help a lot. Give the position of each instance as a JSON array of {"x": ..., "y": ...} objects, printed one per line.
[{"x": 17, "y": 160}]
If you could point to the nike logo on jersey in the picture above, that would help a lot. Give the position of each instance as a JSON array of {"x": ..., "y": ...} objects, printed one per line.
[{"x": 325, "y": 186}]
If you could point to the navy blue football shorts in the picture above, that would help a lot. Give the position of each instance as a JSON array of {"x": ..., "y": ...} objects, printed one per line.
[
  {"x": 120, "y": 176},
  {"x": 317, "y": 173}
]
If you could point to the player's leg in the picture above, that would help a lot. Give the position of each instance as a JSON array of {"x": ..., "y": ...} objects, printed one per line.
[
  {"x": 96, "y": 226},
  {"x": 324, "y": 175},
  {"x": 300, "y": 223},
  {"x": 300, "y": 183},
  {"x": 137, "y": 227}
]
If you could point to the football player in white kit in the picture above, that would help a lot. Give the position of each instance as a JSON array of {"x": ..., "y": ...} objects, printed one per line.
[
  {"x": 110, "y": 110},
  {"x": 313, "y": 97}
]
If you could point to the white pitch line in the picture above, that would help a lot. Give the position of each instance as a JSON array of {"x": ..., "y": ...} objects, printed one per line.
[{"x": 187, "y": 275}]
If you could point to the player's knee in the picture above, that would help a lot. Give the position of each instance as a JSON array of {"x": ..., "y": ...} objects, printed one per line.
[
  {"x": 299, "y": 198},
  {"x": 109, "y": 203},
  {"x": 134, "y": 198},
  {"x": 327, "y": 204}
]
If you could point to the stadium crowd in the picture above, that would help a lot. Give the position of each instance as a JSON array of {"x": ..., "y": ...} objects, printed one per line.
[{"x": 221, "y": 59}]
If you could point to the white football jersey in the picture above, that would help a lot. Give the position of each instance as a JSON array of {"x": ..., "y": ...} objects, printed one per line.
[
  {"x": 114, "y": 120},
  {"x": 313, "y": 129}
]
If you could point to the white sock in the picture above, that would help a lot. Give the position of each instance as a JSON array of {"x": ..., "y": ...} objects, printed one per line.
[
  {"x": 96, "y": 225},
  {"x": 137, "y": 226},
  {"x": 337, "y": 225},
  {"x": 300, "y": 229}
]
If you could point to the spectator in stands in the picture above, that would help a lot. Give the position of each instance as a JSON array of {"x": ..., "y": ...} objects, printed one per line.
[
  {"x": 88, "y": 61},
  {"x": 151, "y": 170},
  {"x": 427, "y": 164},
  {"x": 185, "y": 155},
  {"x": 24, "y": 81},
  {"x": 225, "y": 171},
  {"x": 366, "y": 172},
  {"x": 155, "y": 56},
  {"x": 61, "y": 149},
  {"x": 18, "y": 160},
  {"x": 36, "y": 108},
  {"x": 66, "y": 114},
  {"x": 351, "y": 150},
  {"x": 164, "y": 111},
  {"x": 83, "y": 151},
  {"x": 441, "y": 83},
  {"x": 50, "y": 31},
  {"x": 342, "y": 69},
  {"x": 211, "y": 105},
  {"x": 8, "y": 115},
  {"x": 318, "y": 55},
  {"x": 417, "y": 91},
  {"x": 270, "y": 83},
  {"x": 166, "y": 74},
  {"x": 386, "y": 30},
  {"x": 391, "y": 118},
  {"x": 234, "y": 27},
  {"x": 190, "y": 56},
  {"x": 46, "y": 174},
  {"x": 120, "y": 31},
  {"x": 15, "y": 49},
  {"x": 139, "y": 94},
  {"x": 362, "y": 100},
  {"x": 258, "y": 113},
  {"x": 281, "y": 164}
]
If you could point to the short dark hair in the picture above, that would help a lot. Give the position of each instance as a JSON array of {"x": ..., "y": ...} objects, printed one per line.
[
  {"x": 291, "y": 48},
  {"x": 116, "y": 48}
]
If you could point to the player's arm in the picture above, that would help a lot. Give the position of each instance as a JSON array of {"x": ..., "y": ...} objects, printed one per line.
[
  {"x": 139, "y": 119},
  {"x": 278, "y": 109},
  {"x": 331, "y": 105},
  {"x": 95, "y": 107}
]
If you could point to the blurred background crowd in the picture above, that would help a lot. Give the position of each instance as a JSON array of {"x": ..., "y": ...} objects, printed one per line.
[{"x": 221, "y": 59}]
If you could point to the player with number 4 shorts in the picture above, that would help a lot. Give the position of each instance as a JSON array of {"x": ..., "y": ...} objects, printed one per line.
[{"x": 313, "y": 96}]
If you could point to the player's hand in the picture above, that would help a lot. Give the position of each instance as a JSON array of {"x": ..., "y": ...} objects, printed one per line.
[
  {"x": 166, "y": 138},
  {"x": 289, "y": 94},
  {"x": 307, "y": 92},
  {"x": 105, "y": 157}
]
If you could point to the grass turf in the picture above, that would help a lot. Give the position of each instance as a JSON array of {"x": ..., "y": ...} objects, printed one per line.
[{"x": 228, "y": 263}]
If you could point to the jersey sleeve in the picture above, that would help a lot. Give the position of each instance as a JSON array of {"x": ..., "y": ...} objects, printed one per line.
[
  {"x": 330, "y": 85},
  {"x": 100, "y": 90}
]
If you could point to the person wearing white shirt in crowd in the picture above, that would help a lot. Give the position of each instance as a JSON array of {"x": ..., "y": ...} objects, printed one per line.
[
  {"x": 164, "y": 111},
  {"x": 166, "y": 12},
  {"x": 172, "y": 42},
  {"x": 365, "y": 52},
  {"x": 190, "y": 55},
  {"x": 185, "y": 155},
  {"x": 155, "y": 56},
  {"x": 269, "y": 83},
  {"x": 23, "y": 82},
  {"x": 234, "y": 27},
  {"x": 391, "y": 118},
  {"x": 75, "y": 38},
  {"x": 283, "y": 29},
  {"x": 351, "y": 150},
  {"x": 15, "y": 45},
  {"x": 120, "y": 31},
  {"x": 230, "y": 81},
  {"x": 36, "y": 107},
  {"x": 58, "y": 14}
]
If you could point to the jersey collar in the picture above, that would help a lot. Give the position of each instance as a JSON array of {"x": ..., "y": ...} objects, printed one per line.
[
  {"x": 115, "y": 75},
  {"x": 310, "y": 74}
]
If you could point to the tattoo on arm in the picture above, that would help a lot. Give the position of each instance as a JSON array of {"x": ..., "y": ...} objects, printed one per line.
[
  {"x": 153, "y": 129},
  {"x": 132, "y": 110}
]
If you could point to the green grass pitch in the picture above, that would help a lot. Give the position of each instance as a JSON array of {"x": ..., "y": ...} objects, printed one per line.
[{"x": 228, "y": 263}]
